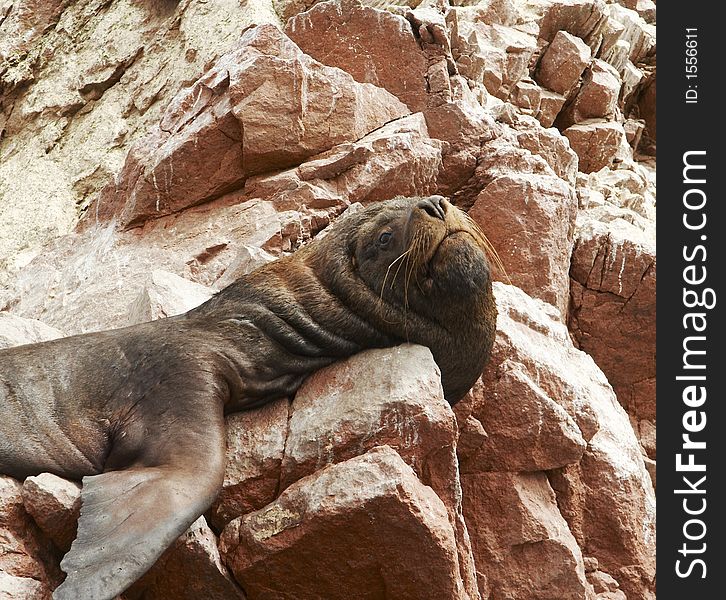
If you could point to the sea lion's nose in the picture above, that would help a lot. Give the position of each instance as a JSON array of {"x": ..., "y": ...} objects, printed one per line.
[{"x": 434, "y": 206}]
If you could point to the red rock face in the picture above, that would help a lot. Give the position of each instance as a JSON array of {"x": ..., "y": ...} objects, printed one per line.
[
  {"x": 28, "y": 562},
  {"x": 346, "y": 512},
  {"x": 531, "y": 219},
  {"x": 201, "y": 140},
  {"x": 224, "y": 129},
  {"x": 613, "y": 309},
  {"x": 565, "y": 421},
  {"x": 562, "y": 63},
  {"x": 344, "y": 35},
  {"x": 516, "y": 527},
  {"x": 596, "y": 143}
]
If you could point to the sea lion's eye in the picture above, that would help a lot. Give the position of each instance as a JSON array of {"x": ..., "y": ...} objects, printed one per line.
[{"x": 384, "y": 238}]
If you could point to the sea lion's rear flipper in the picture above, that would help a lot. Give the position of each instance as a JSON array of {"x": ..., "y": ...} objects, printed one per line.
[{"x": 129, "y": 517}]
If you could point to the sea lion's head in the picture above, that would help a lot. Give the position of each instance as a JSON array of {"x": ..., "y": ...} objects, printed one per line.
[
  {"x": 416, "y": 252},
  {"x": 418, "y": 269}
]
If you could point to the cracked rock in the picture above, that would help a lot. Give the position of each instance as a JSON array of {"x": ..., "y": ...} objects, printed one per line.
[{"x": 329, "y": 533}]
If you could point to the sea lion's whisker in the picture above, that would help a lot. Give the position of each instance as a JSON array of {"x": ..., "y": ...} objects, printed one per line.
[
  {"x": 490, "y": 251},
  {"x": 417, "y": 246},
  {"x": 388, "y": 270}
]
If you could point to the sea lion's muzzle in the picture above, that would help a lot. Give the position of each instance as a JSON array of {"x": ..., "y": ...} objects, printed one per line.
[{"x": 434, "y": 206}]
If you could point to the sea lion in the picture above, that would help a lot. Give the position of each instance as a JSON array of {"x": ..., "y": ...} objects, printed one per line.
[{"x": 138, "y": 413}]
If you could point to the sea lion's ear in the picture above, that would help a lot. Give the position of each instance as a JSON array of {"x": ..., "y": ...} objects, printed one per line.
[{"x": 129, "y": 517}]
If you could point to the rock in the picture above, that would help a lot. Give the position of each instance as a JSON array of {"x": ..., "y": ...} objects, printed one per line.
[
  {"x": 517, "y": 529},
  {"x": 86, "y": 281},
  {"x": 622, "y": 535},
  {"x": 633, "y": 132},
  {"x": 562, "y": 63},
  {"x": 536, "y": 414},
  {"x": 28, "y": 563},
  {"x": 398, "y": 159},
  {"x": 236, "y": 121},
  {"x": 341, "y": 517},
  {"x": 495, "y": 55},
  {"x": 15, "y": 331},
  {"x": 529, "y": 220},
  {"x": 255, "y": 146},
  {"x": 635, "y": 33},
  {"x": 537, "y": 101},
  {"x": 646, "y": 106},
  {"x": 650, "y": 466},
  {"x": 255, "y": 445},
  {"x": 55, "y": 505},
  {"x": 247, "y": 260},
  {"x": 596, "y": 142},
  {"x": 597, "y": 97},
  {"x": 69, "y": 112},
  {"x": 191, "y": 568},
  {"x": 606, "y": 497},
  {"x": 392, "y": 397},
  {"x": 602, "y": 582},
  {"x": 627, "y": 194},
  {"x": 166, "y": 295},
  {"x": 526, "y": 429},
  {"x": 45, "y": 212},
  {"x": 373, "y": 45},
  {"x": 22, "y": 24},
  {"x": 22, "y": 588},
  {"x": 463, "y": 127},
  {"x": 612, "y": 315},
  {"x": 646, "y": 434},
  {"x": 553, "y": 148},
  {"x": 584, "y": 19}
]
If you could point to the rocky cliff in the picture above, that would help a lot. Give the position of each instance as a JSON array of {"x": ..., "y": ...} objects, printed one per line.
[{"x": 152, "y": 152}]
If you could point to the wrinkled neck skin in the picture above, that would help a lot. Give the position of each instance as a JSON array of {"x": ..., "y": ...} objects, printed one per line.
[
  {"x": 277, "y": 325},
  {"x": 280, "y": 323}
]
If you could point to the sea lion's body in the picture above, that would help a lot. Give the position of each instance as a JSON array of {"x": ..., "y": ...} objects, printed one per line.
[{"x": 139, "y": 412}]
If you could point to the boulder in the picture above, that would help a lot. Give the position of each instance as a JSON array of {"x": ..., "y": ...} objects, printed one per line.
[
  {"x": 13, "y": 587},
  {"x": 606, "y": 496},
  {"x": 521, "y": 541},
  {"x": 613, "y": 308},
  {"x": 191, "y": 568},
  {"x": 562, "y": 63},
  {"x": 392, "y": 397},
  {"x": 55, "y": 505},
  {"x": 373, "y": 45},
  {"x": 399, "y": 159},
  {"x": 584, "y": 19},
  {"x": 534, "y": 100},
  {"x": 494, "y": 55},
  {"x": 536, "y": 413},
  {"x": 464, "y": 127},
  {"x": 597, "y": 97},
  {"x": 166, "y": 295},
  {"x": 28, "y": 561},
  {"x": 553, "y": 147},
  {"x": 255, "y": 444},
  {"x": 530, "y": 220},
  {"x": 330, "y": 533},
  {"x": 596, "y": 143}
]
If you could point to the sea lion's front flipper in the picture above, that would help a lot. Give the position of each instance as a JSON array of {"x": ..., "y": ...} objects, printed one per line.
[{"x": 129, "y": 517}]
